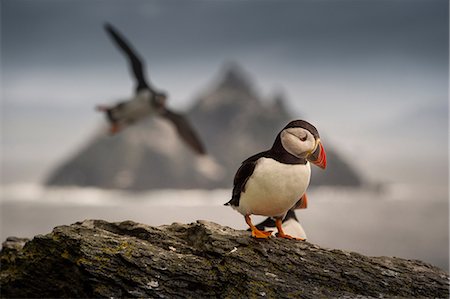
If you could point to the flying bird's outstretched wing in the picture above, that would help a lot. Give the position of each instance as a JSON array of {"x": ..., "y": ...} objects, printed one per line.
[
  {"x": 135, "y": 62},
  {"x": 185, "y": 131}
]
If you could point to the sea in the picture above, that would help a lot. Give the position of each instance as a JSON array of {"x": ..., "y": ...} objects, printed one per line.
[{"x": 407, "y": 221}]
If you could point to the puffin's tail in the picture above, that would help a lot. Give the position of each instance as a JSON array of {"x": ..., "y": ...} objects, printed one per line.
[
  {"x": 234, "y": 201},
  {"x": 228, "y": 203}
]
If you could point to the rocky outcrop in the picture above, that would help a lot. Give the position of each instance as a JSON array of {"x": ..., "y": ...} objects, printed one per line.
[
  {"x": 234, "y": 123},
  {"x": 95, "y": 258}
]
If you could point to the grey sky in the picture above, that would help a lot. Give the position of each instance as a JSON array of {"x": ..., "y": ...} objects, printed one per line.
[
  {"x": 362, "y": 70},
  {"x": 322, "y": 29}
]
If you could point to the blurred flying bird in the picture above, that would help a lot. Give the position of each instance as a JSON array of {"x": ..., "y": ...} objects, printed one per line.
[
  {"x": 146, "y": 100},
  {"x": 275, "y": 181}
]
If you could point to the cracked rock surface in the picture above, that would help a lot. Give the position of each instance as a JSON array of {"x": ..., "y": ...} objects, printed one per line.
[{"x": 95, "y": 258}]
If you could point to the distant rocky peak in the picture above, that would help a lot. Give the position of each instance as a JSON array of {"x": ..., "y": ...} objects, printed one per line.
[
  {"x": 233, "y": 76},
  {"x": 279, "y": 100},
  {"x": 279, "y": 104},
  {"x": 233, "y": 88}
]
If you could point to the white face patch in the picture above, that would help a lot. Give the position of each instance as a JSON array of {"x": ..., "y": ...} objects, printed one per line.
[{"x": 297, "y": 141}]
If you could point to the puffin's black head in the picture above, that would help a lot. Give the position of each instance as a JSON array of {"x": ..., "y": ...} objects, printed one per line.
[
  {"x": 304, "y": 125},
  {"x": 301, "y": 139}
]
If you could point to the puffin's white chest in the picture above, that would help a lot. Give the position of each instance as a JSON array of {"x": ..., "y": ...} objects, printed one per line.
[{"x": 274, "y": 188}]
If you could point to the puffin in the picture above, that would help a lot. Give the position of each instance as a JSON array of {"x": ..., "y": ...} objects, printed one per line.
[
  {"x": 146, "y": 101},
  {"x": 273, "y": 182},
  {"x": 290, "y": 224}
]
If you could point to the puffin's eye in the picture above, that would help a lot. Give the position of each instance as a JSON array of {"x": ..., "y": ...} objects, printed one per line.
[{"x": 304, "y": 138}]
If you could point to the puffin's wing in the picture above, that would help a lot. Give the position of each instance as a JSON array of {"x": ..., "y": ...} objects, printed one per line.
[
  {"x": 240, "y": 179},
  {"x": 136, "y": 64},
  {"x": 185, "y": 131}
]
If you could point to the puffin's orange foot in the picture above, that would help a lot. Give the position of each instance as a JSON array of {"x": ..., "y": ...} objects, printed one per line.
[
  {"x": 261, "y": 234},
  {"x": 284, "y": 236},
  {"x": 256, "y": 233}
]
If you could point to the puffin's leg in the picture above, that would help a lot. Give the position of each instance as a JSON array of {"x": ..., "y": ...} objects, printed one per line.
[
  {"x": 114, "y": 128},
  {"x": 256, "y": 233},
  {"x": 281, "y": 234}
]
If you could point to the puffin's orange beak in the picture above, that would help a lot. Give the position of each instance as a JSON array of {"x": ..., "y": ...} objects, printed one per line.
[{"x": 318, "y": 157}]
